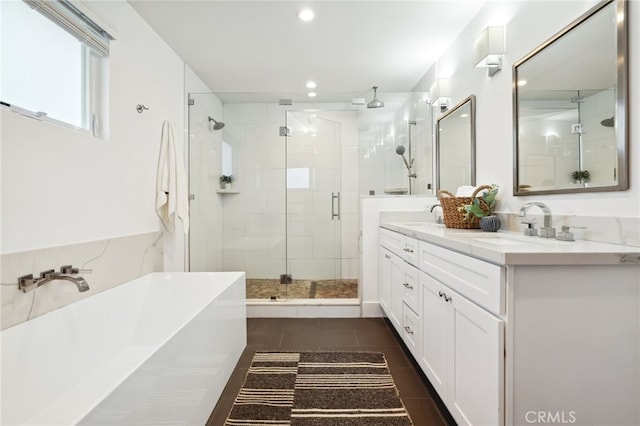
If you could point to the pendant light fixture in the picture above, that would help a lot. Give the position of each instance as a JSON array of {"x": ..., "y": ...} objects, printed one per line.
[{"x": 375, "y": 102}]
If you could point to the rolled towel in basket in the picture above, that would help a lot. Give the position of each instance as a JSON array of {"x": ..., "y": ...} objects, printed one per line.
[{"x": 467, "y": 191}]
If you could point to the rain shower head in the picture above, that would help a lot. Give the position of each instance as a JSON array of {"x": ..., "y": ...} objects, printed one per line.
[
  {"x": 400, "y": 150},
  {"x": 217, "y": 125},
  {"x": 375, "y": 102},
  {"x": 608, "y": 122}
]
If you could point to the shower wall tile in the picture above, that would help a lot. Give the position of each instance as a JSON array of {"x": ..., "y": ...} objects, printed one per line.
[
  {"x": 326, "y": 247},
  {"x": 264, "y": 268},
  {"x": 277, "y": 247},
  {"x": 350, "y": 269},
  {"x": 322, "y": 269},
  {"x": 326, "y": 159},
  {"x": 351, "y": 240},
  {"x": 263, "y": 135},
  {"x": 265, "y": 224},
  {"x": 276, "y": 114},
  {"x": 246, "y": 113},
  {"x": 235, "y": 226},
  {"x": 269, "y": 179},
  {"x": 245, "y": 202},
  {"x": 300, "y": 247},
  {"x": 276, "y": 202},
  {"x": 326, "y": 180},
  {"x": 350, "y": 180},
  {"x": 113, "y": 262},
  {"x": 298, "y": 158},
  {"x": 350, "y": 202}
]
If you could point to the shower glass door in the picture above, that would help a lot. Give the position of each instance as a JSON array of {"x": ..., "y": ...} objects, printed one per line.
[{"x": 313, "y": 205}]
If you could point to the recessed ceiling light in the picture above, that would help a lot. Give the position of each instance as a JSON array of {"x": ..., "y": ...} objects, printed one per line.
[
  {"x": 312, "y": 94},
  {"x": 306, "y": 15},
  {"x": 311, "y": 85}
]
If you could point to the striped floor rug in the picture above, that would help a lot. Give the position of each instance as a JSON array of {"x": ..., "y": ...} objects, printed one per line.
[{"x": 318, "y": 389}]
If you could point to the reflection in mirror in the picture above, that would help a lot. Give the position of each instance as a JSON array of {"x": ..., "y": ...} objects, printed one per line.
[
  {"x": 570, "y": 108},
  {"x": 404, "y": 124},
  {"x": 455, "y": 146}
]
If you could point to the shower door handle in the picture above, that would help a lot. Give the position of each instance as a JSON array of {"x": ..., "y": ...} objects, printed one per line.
[{"x": 335, "y": 213}]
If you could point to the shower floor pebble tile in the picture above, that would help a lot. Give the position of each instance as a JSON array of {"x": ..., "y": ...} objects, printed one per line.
[{"x": 263, "y": 288}]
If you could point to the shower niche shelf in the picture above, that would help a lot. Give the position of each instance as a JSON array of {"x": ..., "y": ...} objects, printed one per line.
[{"x": 227, "y": 191}]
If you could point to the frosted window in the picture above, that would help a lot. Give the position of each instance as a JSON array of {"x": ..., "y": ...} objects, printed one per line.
[
  {"x": 298, "y": 178},
  {"x": 46, "y": 69}
]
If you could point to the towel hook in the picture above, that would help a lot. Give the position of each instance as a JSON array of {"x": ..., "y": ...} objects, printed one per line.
[{"x": 141, "y": 108}]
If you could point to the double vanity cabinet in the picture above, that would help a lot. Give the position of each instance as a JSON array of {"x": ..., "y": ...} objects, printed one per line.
[{"x": 517, "y": 330}]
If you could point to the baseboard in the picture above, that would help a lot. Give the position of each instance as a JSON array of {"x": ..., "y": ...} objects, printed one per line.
[{"x": 371, "y": 310}]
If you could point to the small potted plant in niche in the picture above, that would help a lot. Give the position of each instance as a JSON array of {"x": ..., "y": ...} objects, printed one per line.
[
  {"x": 484, "y": 207},
  {"x": 225, "y": 181}
]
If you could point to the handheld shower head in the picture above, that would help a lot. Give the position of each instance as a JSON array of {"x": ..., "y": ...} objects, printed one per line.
[
  {"x": 217, "y": 124},
  {"x": 400, "y": 151}
]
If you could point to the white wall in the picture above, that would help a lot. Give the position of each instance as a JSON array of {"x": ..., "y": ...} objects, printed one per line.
[
  {"x": 60, "y": 186},
  {"x": 528, "y": 24}
]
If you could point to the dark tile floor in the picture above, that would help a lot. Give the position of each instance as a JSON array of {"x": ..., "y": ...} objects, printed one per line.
[{"x": 339, "y": 334}]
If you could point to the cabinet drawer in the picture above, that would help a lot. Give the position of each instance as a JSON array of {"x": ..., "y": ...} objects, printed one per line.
[
  {"x": 481, "y": 282},
  {"x": 410, "y": 334},
  {"x": 410, "y": 288},
  {"x": 401, "y": 245}
]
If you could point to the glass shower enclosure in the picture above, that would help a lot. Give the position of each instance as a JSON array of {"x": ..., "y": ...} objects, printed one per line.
[{"x": 281, "y": 220}]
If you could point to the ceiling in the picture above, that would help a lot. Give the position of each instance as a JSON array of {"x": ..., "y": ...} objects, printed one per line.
[{"x": 262, "y": 50}]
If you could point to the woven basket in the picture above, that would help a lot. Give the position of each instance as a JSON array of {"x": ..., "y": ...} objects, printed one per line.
[{"x": 450, "y": 204}]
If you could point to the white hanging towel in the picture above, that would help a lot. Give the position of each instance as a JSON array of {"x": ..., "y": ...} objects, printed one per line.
[{"x": 172, "y": 200}]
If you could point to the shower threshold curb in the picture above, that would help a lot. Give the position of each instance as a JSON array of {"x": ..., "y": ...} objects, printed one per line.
[{"x": 304, "y": 308}]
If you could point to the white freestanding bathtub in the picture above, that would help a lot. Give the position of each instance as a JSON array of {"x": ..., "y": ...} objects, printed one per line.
[{"x": 157, "y": 350}]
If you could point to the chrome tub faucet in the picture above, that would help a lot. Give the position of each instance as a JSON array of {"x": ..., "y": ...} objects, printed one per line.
[{"x": 28, "y": 282}]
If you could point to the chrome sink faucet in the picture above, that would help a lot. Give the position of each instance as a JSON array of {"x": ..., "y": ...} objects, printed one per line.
[
  {"x": 438, "y": 218},
  {"x": 547, "y": 231}
]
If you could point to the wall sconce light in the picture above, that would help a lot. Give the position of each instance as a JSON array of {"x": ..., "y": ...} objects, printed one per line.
[
  {"x": 488, "y": 49},
  {"x": 439, "y": 93}
]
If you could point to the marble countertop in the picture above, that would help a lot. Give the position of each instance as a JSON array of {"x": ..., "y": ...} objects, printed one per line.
[{"x": 509, "y": 248}]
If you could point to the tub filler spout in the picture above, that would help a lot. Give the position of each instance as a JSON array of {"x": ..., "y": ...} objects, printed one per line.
[{"x": 27, "y": 283}]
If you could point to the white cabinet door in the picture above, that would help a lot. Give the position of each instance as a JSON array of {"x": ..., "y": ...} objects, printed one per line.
[
  {"x": 476, "y": 370},
  {"x": 462, "y": 354},
  {"x": 397, "y": 278},
  {"x": 434, "y": 328},
  {"x": 384, "y": 280}
]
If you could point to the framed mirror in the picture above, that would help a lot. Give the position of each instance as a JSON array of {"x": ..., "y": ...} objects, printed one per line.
[
  {"x": 570, "y": 108},
  {"x": 456, "y": 146}
]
